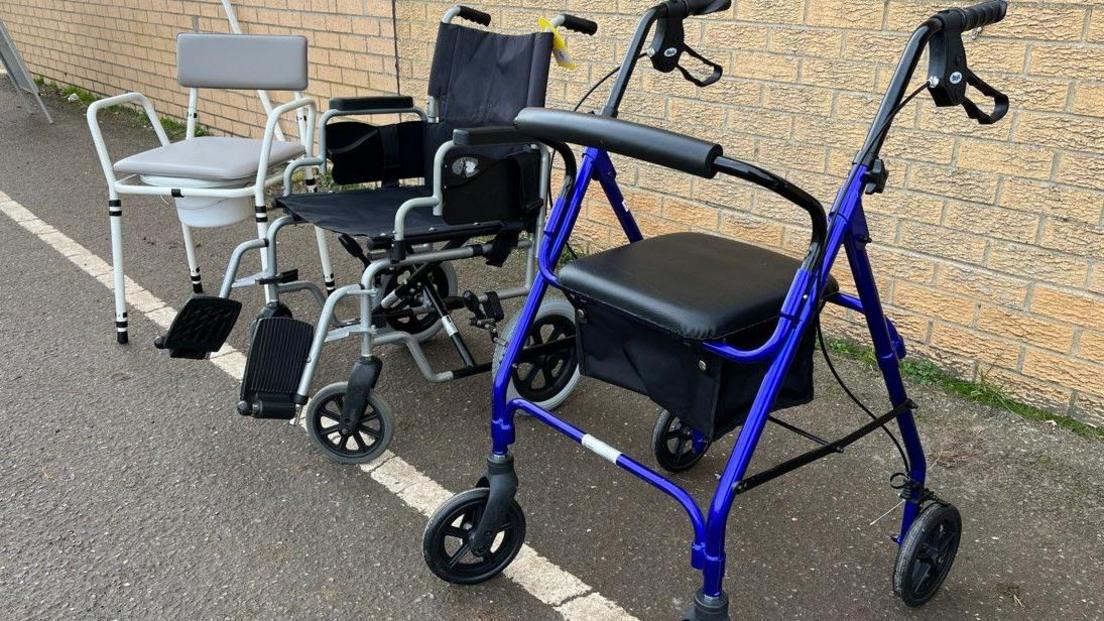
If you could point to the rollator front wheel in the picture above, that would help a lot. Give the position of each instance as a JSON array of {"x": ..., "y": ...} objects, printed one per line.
[
  {"x": 422, "y": 326},
  {"x": 348, "y": 441},
  {"x": 926, "y": 554},
  {"x": 446, "y": 541},
  {"x": 544, "y": 377},
  {"x": 674, "y": 444}
]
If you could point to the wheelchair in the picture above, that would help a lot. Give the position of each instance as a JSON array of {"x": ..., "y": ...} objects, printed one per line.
[
  {"x": 719, "y": 348},
  {"x": 214, "y": 181},
  {"x": 442, "y": 188}
]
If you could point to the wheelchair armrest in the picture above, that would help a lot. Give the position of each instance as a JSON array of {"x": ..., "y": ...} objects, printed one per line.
[
  {"x": 487, "y": 136},
  {"x": 353, "y": 104}
]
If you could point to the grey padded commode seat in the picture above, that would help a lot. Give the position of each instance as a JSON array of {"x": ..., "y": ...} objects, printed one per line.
[{"x": 214, "y": 158}]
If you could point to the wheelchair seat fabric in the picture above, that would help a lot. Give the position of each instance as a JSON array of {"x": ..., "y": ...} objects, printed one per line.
[
  {"x": 210, "y": 158},
  {"x": 371, "y": 214},
  {"x": 697, "y": 286}
]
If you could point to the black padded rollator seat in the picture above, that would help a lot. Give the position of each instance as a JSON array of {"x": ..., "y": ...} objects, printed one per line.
[
  {"x": 371, "y": 214},
  {"x": 698, "y": 286}
]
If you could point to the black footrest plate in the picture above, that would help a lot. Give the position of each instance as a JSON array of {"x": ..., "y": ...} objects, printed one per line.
[
  {"x": 201, "y": 327},
  {"x": 275, "y": 365}
]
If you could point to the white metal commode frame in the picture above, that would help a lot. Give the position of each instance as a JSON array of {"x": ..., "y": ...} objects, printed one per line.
[{"x": 213, "y": 178}]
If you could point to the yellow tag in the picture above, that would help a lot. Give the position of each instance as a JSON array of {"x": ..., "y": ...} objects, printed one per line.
[{"x": 559, "y": 45}]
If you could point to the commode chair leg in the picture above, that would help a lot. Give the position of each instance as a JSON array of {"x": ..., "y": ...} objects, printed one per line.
[
  {"x": 193, "y": 264},
  {"x": 324, "y": 257},
  {"x": 115, "y": 217}
]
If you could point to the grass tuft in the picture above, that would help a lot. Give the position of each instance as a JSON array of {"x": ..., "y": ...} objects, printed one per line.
[
  {"x": 982, "y": 391},
  {"x": 173, "y": 128}
]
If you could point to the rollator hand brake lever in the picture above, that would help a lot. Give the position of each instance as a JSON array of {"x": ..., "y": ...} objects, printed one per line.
[{"x": 948, "y": 72}]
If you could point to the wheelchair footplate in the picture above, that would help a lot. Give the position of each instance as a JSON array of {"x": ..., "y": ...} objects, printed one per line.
[
  {"x": 274, "y": 367},
  {"x": 201, "y": 327}
]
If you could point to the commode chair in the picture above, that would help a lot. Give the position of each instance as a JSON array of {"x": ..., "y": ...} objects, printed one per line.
[{"x": 215, "y": 181}]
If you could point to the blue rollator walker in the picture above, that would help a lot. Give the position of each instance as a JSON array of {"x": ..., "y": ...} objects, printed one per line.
[{"x": 719, "y": 348}]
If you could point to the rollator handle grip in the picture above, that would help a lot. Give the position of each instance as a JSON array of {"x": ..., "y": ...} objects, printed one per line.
[
  {"x": 970, "y": 17},
  {"x": 705, "y": 7},
  {"x": 578, "y": 24}
]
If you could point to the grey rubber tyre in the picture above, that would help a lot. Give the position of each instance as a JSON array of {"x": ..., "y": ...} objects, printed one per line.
[
  {"x": 370, "y": 439},
  {"x": 925, "y": 556},
  {"x": 550, "y": 383}
]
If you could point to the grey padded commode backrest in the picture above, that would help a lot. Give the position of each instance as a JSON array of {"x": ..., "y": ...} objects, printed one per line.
[{"x": 264, "y": 62}]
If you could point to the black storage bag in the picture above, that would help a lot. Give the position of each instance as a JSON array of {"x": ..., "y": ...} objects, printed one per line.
[{"x": 703, "y": 390}]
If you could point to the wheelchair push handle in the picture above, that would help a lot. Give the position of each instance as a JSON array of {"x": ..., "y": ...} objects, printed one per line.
[
  {"x": 466, "y": 12},
  {"x": 576, "y": 24},
  {"x": 705, "y": 7},
  {"x": 962, "y": 19}
]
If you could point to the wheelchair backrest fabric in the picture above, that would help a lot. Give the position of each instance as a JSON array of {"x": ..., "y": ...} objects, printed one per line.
[
  {"x": 482, "y": 78},
  {"x": 236, "y": 61}
]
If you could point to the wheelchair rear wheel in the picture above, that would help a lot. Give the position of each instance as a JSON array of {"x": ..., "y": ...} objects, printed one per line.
[
  {"x": 674, "y": 445},
  {"x": 446, "y": 541},
  {"x": 422, "y": 325},
  {"x": 544, "y": 378},
  {"x": 340, "y": 439},
  {"x": 925, "y": 556}
]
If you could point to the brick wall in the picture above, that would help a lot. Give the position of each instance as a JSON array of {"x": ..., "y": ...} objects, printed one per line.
[
  {"x": 113, "y": 46},
  {"x": 989, "y": 241}
]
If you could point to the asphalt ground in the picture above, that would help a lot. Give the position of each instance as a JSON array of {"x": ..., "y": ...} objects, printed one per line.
[{"x": 129, "y": 488}]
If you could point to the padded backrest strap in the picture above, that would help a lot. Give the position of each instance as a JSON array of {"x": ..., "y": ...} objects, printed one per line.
[
  {"x": 641, "y": 142},
  {"x": 265, "y": 62}
]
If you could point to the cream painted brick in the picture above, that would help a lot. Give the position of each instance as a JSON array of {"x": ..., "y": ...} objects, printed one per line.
[
  {"x": 1081, "y": 169},
  {"x": 1013, "y": 324},
  {"x": 1078, "y": 133},
  {"x": 846, "y": 13},
  {"x": 806, "y": 42},
  {"x": 1076, "y": 308},
  {"x": 1064, "y": 371},
  {"x": 1004, "y": 158},
  {"x": 1067, "y": 61},
  {"x": 1034, "y": 262},
  {"x": 974, "y": 345},
  {"x": 984, "y": 285},
  {"x": 992, "y": 221},
  {"x": 1091, "y": 346},
  {"x": 1057, "y": 201},
  {"x": 1089, "y": 99},
  {"x": 770, "y": 12}
]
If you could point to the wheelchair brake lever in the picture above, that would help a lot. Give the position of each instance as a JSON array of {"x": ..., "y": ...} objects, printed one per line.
[
  {"x": 1000, "y": 101},
  {"x": 718, "y": 70}
]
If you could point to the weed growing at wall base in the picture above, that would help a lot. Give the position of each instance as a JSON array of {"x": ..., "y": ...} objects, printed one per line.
[
  {"x": 928, "y": 373},
  {"x": 175, "y": 129}
]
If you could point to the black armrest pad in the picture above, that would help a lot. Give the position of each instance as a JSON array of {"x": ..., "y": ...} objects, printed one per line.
[
  {"x": 390, "y": 102},
  {"x": 641, "y": 142},
  {"x": 485, "y": 136}
]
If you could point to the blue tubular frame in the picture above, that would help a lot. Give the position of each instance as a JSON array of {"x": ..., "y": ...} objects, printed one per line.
[{"x": 846, "y": 229}]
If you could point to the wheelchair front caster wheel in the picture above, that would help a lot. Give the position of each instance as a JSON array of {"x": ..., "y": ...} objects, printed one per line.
[
  {"x": 544, "y": 376},
  {"x": 674, "y": 444},
  {"x": 348, "y": 441},
  {"x": 446, "y": 543},
  {"x": 926, "y": 554}
]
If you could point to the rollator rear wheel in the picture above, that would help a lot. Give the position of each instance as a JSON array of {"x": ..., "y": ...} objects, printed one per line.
[
  {"x": 445, "y": 541},
  {"x": 424, "y": 325},
  {"x": 927, "y": 553},
  {"x": 342, "y": 443},
  {"x": 548, "y": 378},
  {"x": 673, "y": 444}
]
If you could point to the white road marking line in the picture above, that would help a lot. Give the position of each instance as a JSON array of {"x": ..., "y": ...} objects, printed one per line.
[{"x": 574, "y": 599}]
